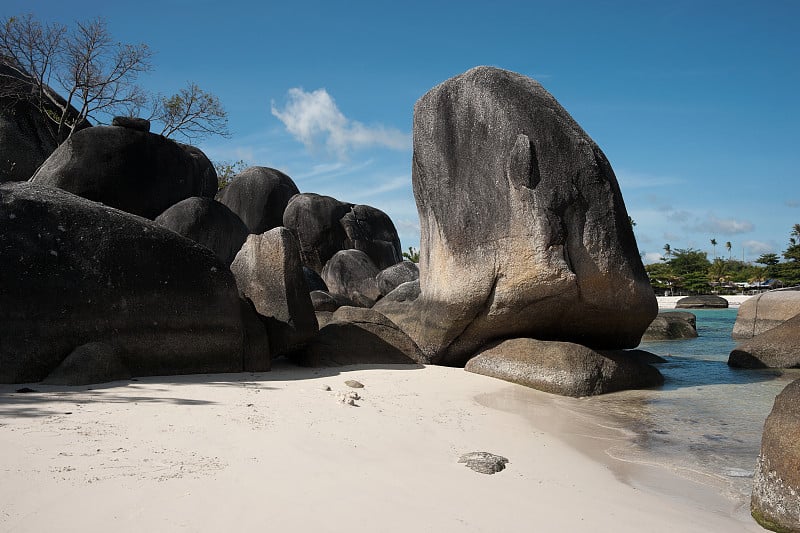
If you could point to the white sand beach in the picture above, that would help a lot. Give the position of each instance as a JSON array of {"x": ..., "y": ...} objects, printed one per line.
[{"x": 278, "y": 452}]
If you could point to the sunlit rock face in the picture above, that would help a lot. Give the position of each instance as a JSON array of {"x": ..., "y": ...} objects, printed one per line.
[{"x": 523, "y": 228}]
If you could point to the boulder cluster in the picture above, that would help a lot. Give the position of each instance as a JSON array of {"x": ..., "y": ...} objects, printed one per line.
[{"x": 120, "y": 258}]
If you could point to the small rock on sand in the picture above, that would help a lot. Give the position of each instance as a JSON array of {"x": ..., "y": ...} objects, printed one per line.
[
  {"x": 349, "y": 398},
  {"x": 354, "y": 384},
  {"x": 484, "y": 462}
]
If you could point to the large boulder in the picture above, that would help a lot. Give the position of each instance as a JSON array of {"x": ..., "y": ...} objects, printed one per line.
[
  {"x": 268, "y": 273},
  {"x": 765, "y": 311},
  {"x": 702, "y": 301},
  {"x": 355, "y": 335},
  {"x": 94, "y": 362},
  {"x": 523, "y": 228},
  {"x": 351, "y": 273},
  {"x": 778, "y": 347},
  {"x": 564, "y": 368},
  {"x": 392, "y": 277},
  {"x": 74, "y": 272},
  {"x": 209, "y": 223},
  {"x": 132, "y": 170},
  {"x": 672, "y": 325},
  {"x": 27, "y": 137},
  {"x": 775, "y": 502},
  {"x": 324, "y": 225},
  {"x": 259, "y": 196}
]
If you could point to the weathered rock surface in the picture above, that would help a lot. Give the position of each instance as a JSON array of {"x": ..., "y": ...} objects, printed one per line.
[
  {"x": 259, "y": 196},
  {"x": 256, "y": 350},
  {"x": 324, "y": 225},
  {"x": 26, "y": 137},
  {"x": 325, "y": 301},
  {"x": 351, "y": 273},
  {"x": 73, "y": 272},
  {"x": 313, "y": 280},
  {"x": 209, "y": 223},
  {"x": 672, "y": 325},
  {"x": 775, "y": 502},
  {"x": 702, "y": 301},
  {"x": 765, "y": 311},
  {"x": 484, "y": 462},
  {"x": 94, "y": 362},
  {"x": 537, "y": 240},
  {"x": 563, "y": 368},
  {"x": 268, "y": 272},
  {"x": 360, "y": 336},
  {"x": 134, "y": 123},
  {"x": 135, "y": 171},
  {"x": 778, "y": 347},
  {"x": 399, "y": 301},
  {"x": 392, "y": 277}
]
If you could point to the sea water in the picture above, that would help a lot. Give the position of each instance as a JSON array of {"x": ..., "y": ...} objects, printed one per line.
[{"x": 707, "y": 418}]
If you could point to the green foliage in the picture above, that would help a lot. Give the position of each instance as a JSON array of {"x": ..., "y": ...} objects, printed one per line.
[
  {"x": 191, "y": 113},
  {"x": 412, "y": 254},
  {"x": 688, "y": 260},
  {"x": 226, "y": 171}
]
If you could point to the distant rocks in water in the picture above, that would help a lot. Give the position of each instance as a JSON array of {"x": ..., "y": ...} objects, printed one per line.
[
  {"x": 484, "y": 462},
  {"x": 259, "y": 195},
  {"x": 672, "y": 325},
  {"x": 702, "y": 301},
  {"x": 765, "y": 311},
  {"x": 324, "y": 226},
  {"x": 268, "y": 272},
  {"x": 392, "y": 277},
  {"x": 87, "y": 273},
  {"x": 356, "y": 335},
  {"x": 536, "y": 242},
  {"x": 775, "y": 502},
  {"x": 352, "y": 274},
  {"x": 135, "y": 171},
  {"x": 778, "y": 347},
  {"x": 209, "y": 223},
  {"x": 563, "y": 368}
]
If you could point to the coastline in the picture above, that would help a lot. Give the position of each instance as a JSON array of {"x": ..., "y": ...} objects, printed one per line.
[
  {"x": 668, "y": 302},
  {"x": 249, "y": 451}
]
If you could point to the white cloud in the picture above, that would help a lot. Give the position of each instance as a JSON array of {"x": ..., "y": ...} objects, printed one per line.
[
  {"x": 387, "y": 186},
  {"x": 725, "y": 226},
  {"x": 313, "y": 118},
  {"x": 758, "y": 247},
  {"x": 651, "y": 257}
]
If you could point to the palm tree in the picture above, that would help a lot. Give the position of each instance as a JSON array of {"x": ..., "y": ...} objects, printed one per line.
[
  {"x": 728, "y": 247},
  {"x": 714, "y": 244},
  {"x": 667, "y": 251}
]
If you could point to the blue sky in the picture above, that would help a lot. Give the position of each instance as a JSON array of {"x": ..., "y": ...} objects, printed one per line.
[{"x": 694, "y": 103}]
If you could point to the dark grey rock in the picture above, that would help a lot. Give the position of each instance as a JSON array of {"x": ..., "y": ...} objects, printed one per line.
[
  {"x": 325, "y": 301},
  {"x": 672, "y": 325},
  {"x": 524, "y": 230},
  {"x": 703, "y": 301},
  {"x": 765, "y": 311},
  {"x": 351, "y": 273},
  {"x": 94, "y": 362},
  {"x": 778, "y": 347},
  {"x": 484, "y": 462},
  {"x": 360, "y": 336},
  {"x": 563, "y": 368},
  {"x": 256, "y": 350},
  {"x": 209, "y": 223},
  {"x": 313, "y": 280},
  {"x": 73, "y": 272},
  {"x": 134, "y": 123},
  {"x": 775, "y": 502},
  {"x": 137, "y": 172},
  {"x": 392, "y": 277},
  {"x": 268, "y": 272},
  {"x": 371, "y": 230},
  {"x": 259, "y": 195}
]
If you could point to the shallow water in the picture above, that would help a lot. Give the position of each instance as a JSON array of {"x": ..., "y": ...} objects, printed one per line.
[{"x": 707, "y": 419}]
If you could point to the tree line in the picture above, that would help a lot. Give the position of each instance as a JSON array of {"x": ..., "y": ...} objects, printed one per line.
[{"x": 689, "y": 270}]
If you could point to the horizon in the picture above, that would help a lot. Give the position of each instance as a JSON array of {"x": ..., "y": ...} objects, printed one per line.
[{"x": 693, "y": 106}]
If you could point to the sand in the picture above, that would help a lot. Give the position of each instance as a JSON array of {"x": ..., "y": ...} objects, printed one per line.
[{"x": 278, "y": 452}]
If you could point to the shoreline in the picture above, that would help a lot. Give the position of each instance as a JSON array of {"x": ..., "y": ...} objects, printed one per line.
[
  {"x": 734, "y": 301},
  {"x": 249, "y": 451}
]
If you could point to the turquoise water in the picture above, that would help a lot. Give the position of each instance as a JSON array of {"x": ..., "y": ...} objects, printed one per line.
[{"x": 707, "y": 419}]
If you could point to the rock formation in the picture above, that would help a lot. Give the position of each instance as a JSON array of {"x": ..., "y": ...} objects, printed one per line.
[
  {"x": 778, "y": 347},
  {"x": 523, "y": 228},
  {"x": 259, "y": 196},
  {"x": 351, "y": 273},
  {"x": 775, "y": 503},
  {"x": 132, "y": 170},
  {"x": 672, "y": 325},
  {"x": 564, "y": 368},
  {"x": 765, "y": 311},
  {"x": 74, "y": 272},
  {"x": 702, "y": 301},
  {"x": 392, "y": 277},
  {"x": 209, "y": 223}
]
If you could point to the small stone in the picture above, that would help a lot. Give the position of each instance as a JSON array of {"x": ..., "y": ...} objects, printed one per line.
[
  {"x": 353, "y": 384},
  {"x": 326, "y": 387},
  {"x": 484, "y": 462},
  {"x": 349, "y": 398}
]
